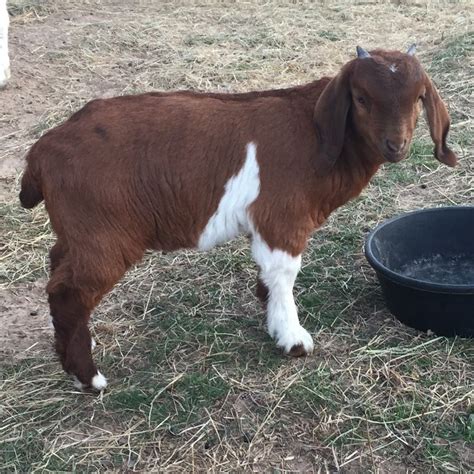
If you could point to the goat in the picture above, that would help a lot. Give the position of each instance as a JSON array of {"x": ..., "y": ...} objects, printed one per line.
[
  {"x": 4, "y": 58},
  {"x": 173, "y": 170}
]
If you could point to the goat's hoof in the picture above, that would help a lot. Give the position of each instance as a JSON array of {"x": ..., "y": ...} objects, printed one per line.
[
  {"x": 297, "y": 350},
  {"x": 98, "y": 383},
  {"x": 295, "y": 341}
]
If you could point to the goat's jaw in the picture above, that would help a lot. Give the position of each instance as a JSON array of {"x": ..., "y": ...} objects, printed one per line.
[{"x": 394, "y": 157}]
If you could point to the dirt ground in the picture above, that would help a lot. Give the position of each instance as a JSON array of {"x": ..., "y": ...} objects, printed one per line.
[
  {"x": 24, "y": 319},
  {"x": 66, "y": 53}
]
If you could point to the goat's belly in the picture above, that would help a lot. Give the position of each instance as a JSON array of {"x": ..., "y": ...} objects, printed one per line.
[{"x": 232, "y": 215}]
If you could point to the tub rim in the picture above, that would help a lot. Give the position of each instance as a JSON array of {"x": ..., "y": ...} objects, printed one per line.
[{"x": 410, "y": 282}]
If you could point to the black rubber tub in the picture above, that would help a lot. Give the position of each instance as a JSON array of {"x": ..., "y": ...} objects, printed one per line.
[{"x": 424, "y": 261}]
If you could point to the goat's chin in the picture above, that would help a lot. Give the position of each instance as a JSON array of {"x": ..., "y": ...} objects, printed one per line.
[{"x": 394, "y": 158}]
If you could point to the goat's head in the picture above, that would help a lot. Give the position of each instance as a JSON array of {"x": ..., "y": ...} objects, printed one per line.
[{"x": 379, "y": 95}]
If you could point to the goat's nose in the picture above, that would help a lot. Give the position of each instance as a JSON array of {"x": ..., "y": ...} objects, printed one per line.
[{"x": 397, "y": 146}]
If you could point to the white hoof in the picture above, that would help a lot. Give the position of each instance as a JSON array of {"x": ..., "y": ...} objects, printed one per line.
[{"x": 294, "y": 340}]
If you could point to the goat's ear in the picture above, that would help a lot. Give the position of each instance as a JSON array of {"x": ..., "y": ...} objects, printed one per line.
[
  {"x": 330, "y": 115},
  {"x": 438, "y": 120}
]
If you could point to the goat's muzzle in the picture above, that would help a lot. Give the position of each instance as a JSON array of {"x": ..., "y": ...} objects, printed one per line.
[{"x": 395, "y": 150}]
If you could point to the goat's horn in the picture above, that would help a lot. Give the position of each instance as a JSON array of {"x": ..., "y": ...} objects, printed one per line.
[
  {"x": 362, "y": 53},
  {"x": 411, "y": 50}
]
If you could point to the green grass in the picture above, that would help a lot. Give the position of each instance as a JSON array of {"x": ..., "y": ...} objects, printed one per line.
[
  {"x": 456, "y": 49},
  {"x": 182, "y": 404}
]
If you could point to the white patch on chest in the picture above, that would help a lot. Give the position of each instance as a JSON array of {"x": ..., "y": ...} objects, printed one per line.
[
  {"x": 393, "y": 68},
  {"x": 231, "y": 217}
]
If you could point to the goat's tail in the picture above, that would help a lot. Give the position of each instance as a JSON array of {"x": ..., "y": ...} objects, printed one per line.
[{"x": 31, "y": 193}]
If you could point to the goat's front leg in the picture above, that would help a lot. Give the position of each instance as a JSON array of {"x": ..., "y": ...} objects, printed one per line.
[
  {"x": 4, "y": 58},
  {"x": 278, "y": 271}
]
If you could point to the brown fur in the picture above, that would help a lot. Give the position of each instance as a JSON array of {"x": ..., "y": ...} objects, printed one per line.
[{"x": 132, "y": 173}]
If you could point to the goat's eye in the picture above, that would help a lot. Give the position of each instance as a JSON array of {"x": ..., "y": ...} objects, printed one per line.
[{"x": 361, "y": 100}]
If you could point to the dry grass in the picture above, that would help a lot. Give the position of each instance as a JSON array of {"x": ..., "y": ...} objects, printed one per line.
[{"x": 195, "y": 381}]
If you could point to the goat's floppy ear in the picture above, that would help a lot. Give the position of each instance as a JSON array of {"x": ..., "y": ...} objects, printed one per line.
[
  {"x": 330, "y": 115},
  {"x": 438, "y": 120}
]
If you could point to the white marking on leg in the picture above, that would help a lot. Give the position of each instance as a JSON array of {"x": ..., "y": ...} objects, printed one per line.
[
  {"x": 231, "y": 217},
  {"x": 278, "y": 272},
  {"x": 99, "y": 382},
  {"x": 4, "y": 58}
]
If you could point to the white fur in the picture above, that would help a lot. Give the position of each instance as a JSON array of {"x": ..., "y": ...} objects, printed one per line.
[
  {"x": 231, "y": 217},
  {"x": 4, "y": 58},
  {"x": 393, "y": 68},
  {"x": 99, "y": 382},
  {"x": 278, "y": 273}
]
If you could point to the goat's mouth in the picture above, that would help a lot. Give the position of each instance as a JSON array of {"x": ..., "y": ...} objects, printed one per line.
[{"x": 394, "y": 157}]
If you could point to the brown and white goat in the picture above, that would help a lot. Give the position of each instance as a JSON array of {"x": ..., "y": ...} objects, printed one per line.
[{"x": 167, "y": 171}]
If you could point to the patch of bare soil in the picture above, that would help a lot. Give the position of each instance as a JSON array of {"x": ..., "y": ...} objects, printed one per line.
[
  {"x": 41, "y": 83},
  {"x": 24, "y": 321}
]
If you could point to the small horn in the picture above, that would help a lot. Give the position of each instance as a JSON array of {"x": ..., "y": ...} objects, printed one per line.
[
  {"x": 411, "y": 50},
  {"x": 362, "y": 53}
]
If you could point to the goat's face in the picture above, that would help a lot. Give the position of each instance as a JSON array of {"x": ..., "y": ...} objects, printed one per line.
[
  {"x": 380, "y": 95},
  {"x": 387, "y": 90}
]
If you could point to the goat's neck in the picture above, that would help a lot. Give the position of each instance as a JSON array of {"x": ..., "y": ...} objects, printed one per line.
[
  {"x": 358, "y": 157},
  {"x": 349, "y": 176}
]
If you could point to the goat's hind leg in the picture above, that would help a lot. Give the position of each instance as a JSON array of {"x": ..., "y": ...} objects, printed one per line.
[
  {"x": 56, "y": 254},
  {"x": 70, "y": 310},
  {"x": 73, "y": 292},
  {"x": 78, "y": 282}
]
